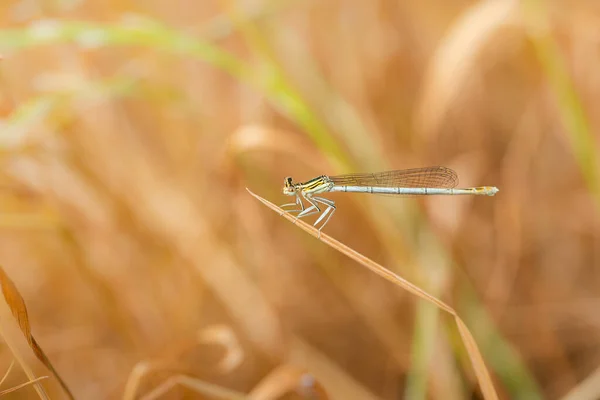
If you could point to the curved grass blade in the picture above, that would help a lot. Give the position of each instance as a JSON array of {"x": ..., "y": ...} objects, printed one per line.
[
  {"x": 17, "y": 307},
  {"x": 22, "y": 385},
  {"x": 481, "y": 371}
]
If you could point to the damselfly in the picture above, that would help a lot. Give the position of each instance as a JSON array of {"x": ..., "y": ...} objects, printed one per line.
[{"x": 417, "y": 181}]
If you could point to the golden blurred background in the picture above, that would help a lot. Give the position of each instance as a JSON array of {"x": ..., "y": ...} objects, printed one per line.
[{"x": 130, "y": 131}]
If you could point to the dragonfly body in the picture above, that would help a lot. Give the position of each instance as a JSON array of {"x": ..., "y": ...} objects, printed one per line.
[{"x": 410, "y": 182}]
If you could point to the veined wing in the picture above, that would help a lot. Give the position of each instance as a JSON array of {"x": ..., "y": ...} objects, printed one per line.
[{"x": 428, "y": 177}]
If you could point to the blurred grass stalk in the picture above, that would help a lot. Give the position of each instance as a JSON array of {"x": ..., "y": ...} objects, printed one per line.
[
  {"x": 570, "y": 106},
  {"x": 426, "y": 323},
  {"x": 423, "y": 345},
  {"x": 276, "y": 85}
]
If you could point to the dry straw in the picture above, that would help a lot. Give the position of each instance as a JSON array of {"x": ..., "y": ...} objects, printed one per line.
[
  {"x": 18, "y": 309},
  {"x": 483, "y": 375}
]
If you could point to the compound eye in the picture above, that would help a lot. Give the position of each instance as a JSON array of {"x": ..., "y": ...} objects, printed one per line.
[{"x": 288, "y": 181}]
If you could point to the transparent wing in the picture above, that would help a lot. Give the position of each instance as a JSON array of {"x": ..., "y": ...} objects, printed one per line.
[{"x": 430, "y": 177}]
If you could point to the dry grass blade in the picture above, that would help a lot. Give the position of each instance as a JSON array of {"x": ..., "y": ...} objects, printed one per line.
[
  {"x": 12, "y": 364},
  {"x": 22, "y": 385},
  {"x": 453, "y": 63},
  {"x": 18, "y": 309},
  {"x": 288, "y": 379},
  {"x": 220, "y": 335},
  {"x": 223, "y": 335},
  {"x": 200, "y": 386},
  {"x": 483, "y": 374},
  {"x": 144, "y": 368},
  {"x": 370, "y": 264},
  {"x": 588, "y": 389},
  {"x": 139, "y": 371},
  {"x": 255, "y": 138}
]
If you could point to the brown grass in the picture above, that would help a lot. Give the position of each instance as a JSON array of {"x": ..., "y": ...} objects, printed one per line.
[{"x": 130, "y": 131}]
